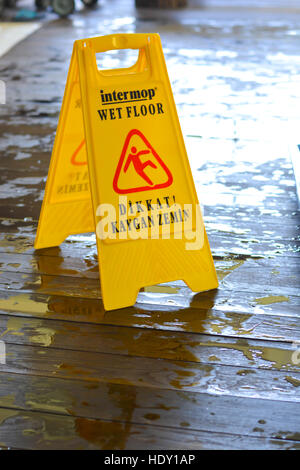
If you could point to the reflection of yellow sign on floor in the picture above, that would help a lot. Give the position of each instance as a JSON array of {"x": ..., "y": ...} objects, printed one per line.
[{"x": 119, "y": 167}]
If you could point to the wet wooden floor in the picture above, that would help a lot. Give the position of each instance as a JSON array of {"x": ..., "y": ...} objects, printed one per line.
[{"x": 215, "y": 370}]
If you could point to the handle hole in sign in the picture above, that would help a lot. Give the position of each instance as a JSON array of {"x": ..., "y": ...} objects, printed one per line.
[{"x": 117, "y": 59}]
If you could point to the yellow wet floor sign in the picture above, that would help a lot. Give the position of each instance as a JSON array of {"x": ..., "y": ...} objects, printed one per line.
[{"x": 119, "y": 168}]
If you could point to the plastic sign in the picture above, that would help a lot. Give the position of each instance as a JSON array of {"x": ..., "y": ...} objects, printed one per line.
[{"x": 119, "y": 167}]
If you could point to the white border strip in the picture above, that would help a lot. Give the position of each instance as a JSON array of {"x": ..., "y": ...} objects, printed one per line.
[{"x": 12, "y": 33}]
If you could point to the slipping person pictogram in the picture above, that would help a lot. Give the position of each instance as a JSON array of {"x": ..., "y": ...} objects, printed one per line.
[
  {"x": 138, "y": 165},
  {"x": 140, "y": 170}
]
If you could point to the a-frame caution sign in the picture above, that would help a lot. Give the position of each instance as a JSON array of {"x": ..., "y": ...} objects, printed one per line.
[{"x": 119, "y": 168}]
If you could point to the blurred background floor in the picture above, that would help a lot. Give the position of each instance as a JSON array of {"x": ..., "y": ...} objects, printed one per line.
[{"x": 213, "y": 370}]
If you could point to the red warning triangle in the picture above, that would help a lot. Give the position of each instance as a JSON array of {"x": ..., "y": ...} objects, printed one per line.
[
  {"x": 79, "y": 156},
  {"x": 140, "y": 168}
]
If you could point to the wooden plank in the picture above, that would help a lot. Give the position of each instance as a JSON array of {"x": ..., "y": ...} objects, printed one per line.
[
  {"x": 238, "y": 188},
  {"x": 152, "y": 373},
  {"x": 244, "y": 228},
  {"x": 62, "y": 261},
  {"x": 171, "y": 345},
  {"x": 256, "y": 220},
  {"x": 238, "y": 180},
  {"x": 41, "y": 431},
  {"x": 222, "y": 245},
  {"x": 217, "y": 367},
  {"x": 245, "y": 233},
  {"x": 12, "y": 207},
  {"x": 270, "y": 275},
  {"x": 123, "y": 402},
  {"x": 273, "y": 285},
  {"x": 164, "y": 317},
  {"x": 57, "y": 261},
  {"x": 270, "y": 170},
  {"x": 161, "y": 307},
  {"x": 124, "y": 406}
]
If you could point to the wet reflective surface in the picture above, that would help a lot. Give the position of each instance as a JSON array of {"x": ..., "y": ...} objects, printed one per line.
[{"x": 178, "y": 369}]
